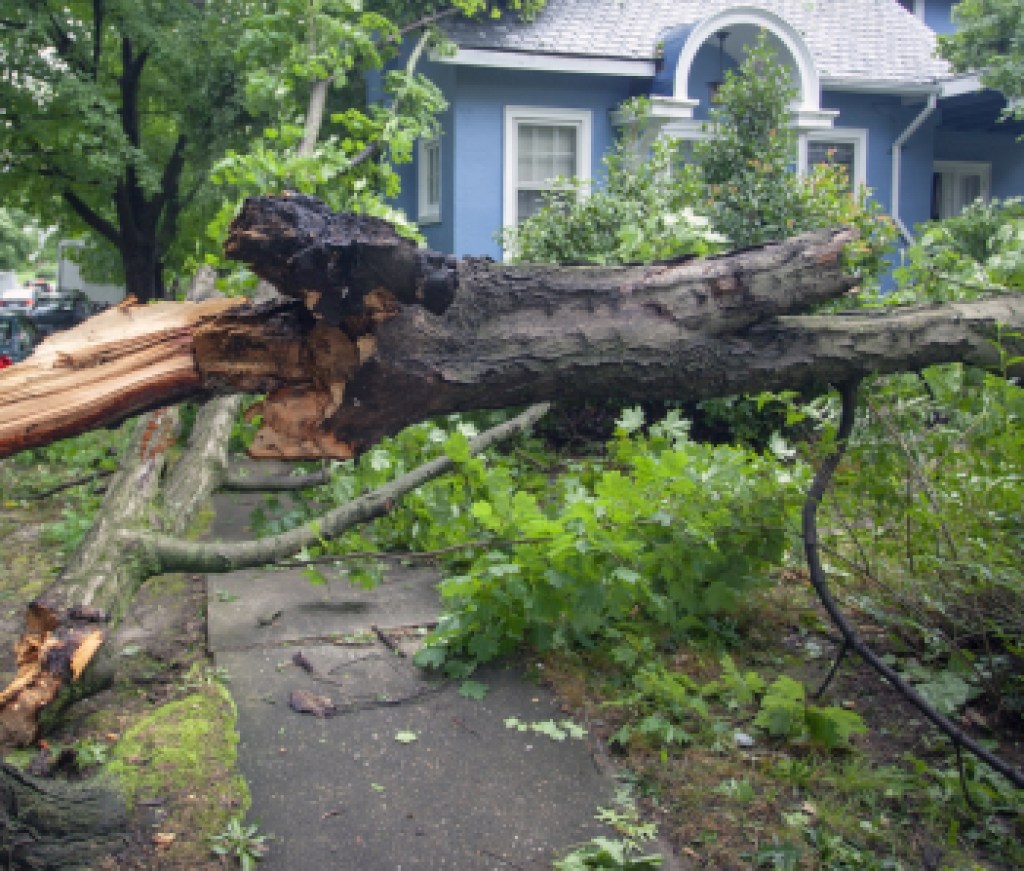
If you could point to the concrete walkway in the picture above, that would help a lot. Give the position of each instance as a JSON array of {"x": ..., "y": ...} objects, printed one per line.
[{"x": 405, "y": 773}]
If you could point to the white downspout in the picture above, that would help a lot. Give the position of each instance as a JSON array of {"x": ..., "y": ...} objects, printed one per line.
[{"x": 897, "y": 163}]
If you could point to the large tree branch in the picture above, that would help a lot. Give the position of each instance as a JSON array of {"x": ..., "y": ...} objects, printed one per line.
[
  {"x": 380, "y": 334},
  {"x": 91, "y": 217},
  {"x": 168, "y": 553}
]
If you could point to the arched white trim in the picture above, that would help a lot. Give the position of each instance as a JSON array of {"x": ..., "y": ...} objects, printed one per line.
[{"x": 807, "y": 74}]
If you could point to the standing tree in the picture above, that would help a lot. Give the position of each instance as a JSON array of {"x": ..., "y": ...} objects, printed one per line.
[{"x": 113, "y": 114}]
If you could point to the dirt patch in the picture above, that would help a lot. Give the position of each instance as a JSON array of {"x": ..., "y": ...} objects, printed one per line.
[{"x": 728, "y": 796}]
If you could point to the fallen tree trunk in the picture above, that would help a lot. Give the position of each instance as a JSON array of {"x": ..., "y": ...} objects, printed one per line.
[
  {"x": 377, "y": 334},
  {"x": 61, "y": 655},
  {"x": 52, "y": 825}
]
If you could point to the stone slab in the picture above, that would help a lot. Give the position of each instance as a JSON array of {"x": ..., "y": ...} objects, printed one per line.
[
  {"x": 262, "y": 606},
  {"x": 469, "y": 794}
]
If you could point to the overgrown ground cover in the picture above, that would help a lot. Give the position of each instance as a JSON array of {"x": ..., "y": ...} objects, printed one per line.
[{"x": 658, "y": 585}]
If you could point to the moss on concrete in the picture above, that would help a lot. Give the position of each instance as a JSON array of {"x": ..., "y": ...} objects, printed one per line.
[{"x": 183, "y": 755}]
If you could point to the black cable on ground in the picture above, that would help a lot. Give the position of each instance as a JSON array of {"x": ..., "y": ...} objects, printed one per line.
[{"x": 851, "y": 638}]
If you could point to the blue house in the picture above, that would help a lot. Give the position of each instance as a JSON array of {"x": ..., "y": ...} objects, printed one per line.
[{"x": 529, "y": 102}]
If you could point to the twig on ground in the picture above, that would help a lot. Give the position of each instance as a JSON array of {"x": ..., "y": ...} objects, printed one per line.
[
  {"x": 424, "y": 555},
  {"x": 273, "y": 483},
  {"x": 67, "y": 485}
]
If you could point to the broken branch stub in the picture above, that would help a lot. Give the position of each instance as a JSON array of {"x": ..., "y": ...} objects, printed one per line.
[{"x": 333, "y": 260}]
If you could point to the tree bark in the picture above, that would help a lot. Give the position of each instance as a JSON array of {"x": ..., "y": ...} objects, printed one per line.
[
  {"x": 378, "y": 334},
  {"x": 52, "y": 825},
  {"x": 61, "y": 655}
]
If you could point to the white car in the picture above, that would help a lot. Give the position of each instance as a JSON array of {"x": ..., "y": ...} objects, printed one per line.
[{"x": 25, "y": 297}]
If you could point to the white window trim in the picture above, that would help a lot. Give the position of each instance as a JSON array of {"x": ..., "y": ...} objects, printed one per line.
[
  {"x": 516, "y": 115},
  {"x": 981, "y": 168},
  {"x": 856, "y": 136},
  {"x": 428, "y": 212}
]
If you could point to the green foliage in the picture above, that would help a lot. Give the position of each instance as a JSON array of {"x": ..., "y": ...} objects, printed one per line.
[
  {"x": 241, "y": 842},
  {"x": 347, "y": 160},
  {"x": 745, "y": 169},
  {"x": 89, "y": 753},
  {"x": 41, "y": 469},
  {"x": 785, "y": 713},
  {"x": 108, "y": 103},
  {"x": 669, "y": 534},
  {"x": 548, "y": 728},
  {"x": 293, "y": 47},
  {"x": 642, "y": 212},
  {"x": 19, "y": 239},
  {"x": 981, "y": 250},
  {"x": 945, "y": 545},
  {"x": 656, "y": 204},
  {"x": 616, "y": 854},
  {"x": 989, "y": 39}
]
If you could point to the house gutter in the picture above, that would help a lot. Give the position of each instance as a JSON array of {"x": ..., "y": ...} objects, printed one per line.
[{"x": 897, "y": 165}]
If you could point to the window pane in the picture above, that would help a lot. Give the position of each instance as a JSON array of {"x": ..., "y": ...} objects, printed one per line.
[
  {"x": 528, "y": 203},
  {"x": 954, "y": 189},
  {"x": 970, "y": 189},
  {"x": 834, "y": 154},
  {"x": 546, "y": 151},
  {"x": 434, "y": 174}
]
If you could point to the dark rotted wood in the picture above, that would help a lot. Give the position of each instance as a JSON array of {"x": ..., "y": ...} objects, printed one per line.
[
  {"x": 333, "y": 260},
  {"x": 425, "y": 368}
]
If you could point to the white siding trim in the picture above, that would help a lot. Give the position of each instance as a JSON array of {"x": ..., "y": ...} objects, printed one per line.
[
  {"x": 553, "y": 63},
  {"x": 427, "y": 212}
]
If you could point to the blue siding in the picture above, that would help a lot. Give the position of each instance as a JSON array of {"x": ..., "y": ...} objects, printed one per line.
[
  {"x": 1003, "y": 151},
  {"x": 479, "y": 102},
  {"x": 885, "y": 118},
  {"x": 671, "y": 44},
  {"x": 473, "y": 139}
]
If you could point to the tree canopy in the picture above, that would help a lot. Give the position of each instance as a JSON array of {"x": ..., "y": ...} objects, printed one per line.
[
  {"x": 115, "y": 113},
  {"x": 990, "y": 39}
]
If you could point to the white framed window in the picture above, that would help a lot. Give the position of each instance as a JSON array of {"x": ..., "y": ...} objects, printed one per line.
[
  {"x": 542, "y": 145},
  {"x": 956, "y": 184},
  {"x": 428, "y": 162},
  {"x": 841, "y": 146}
]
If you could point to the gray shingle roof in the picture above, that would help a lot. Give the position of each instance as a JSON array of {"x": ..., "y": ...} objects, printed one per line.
[{"x": 876, "y": 40}]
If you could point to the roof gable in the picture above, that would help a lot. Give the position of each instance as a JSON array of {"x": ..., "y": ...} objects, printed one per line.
[{"x": 849, "y": 40}]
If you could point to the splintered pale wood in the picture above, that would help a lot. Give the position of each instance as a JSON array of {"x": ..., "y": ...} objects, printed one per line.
[
  {"x": 118, "y": 363},
  {"x": 48, "y": 656}
]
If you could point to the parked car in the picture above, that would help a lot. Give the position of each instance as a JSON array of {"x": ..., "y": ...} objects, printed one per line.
[
  {"x": 59, "y": 310},
  {"x": 21, "y": 297},
  {"x": 18, "y": 337}
]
